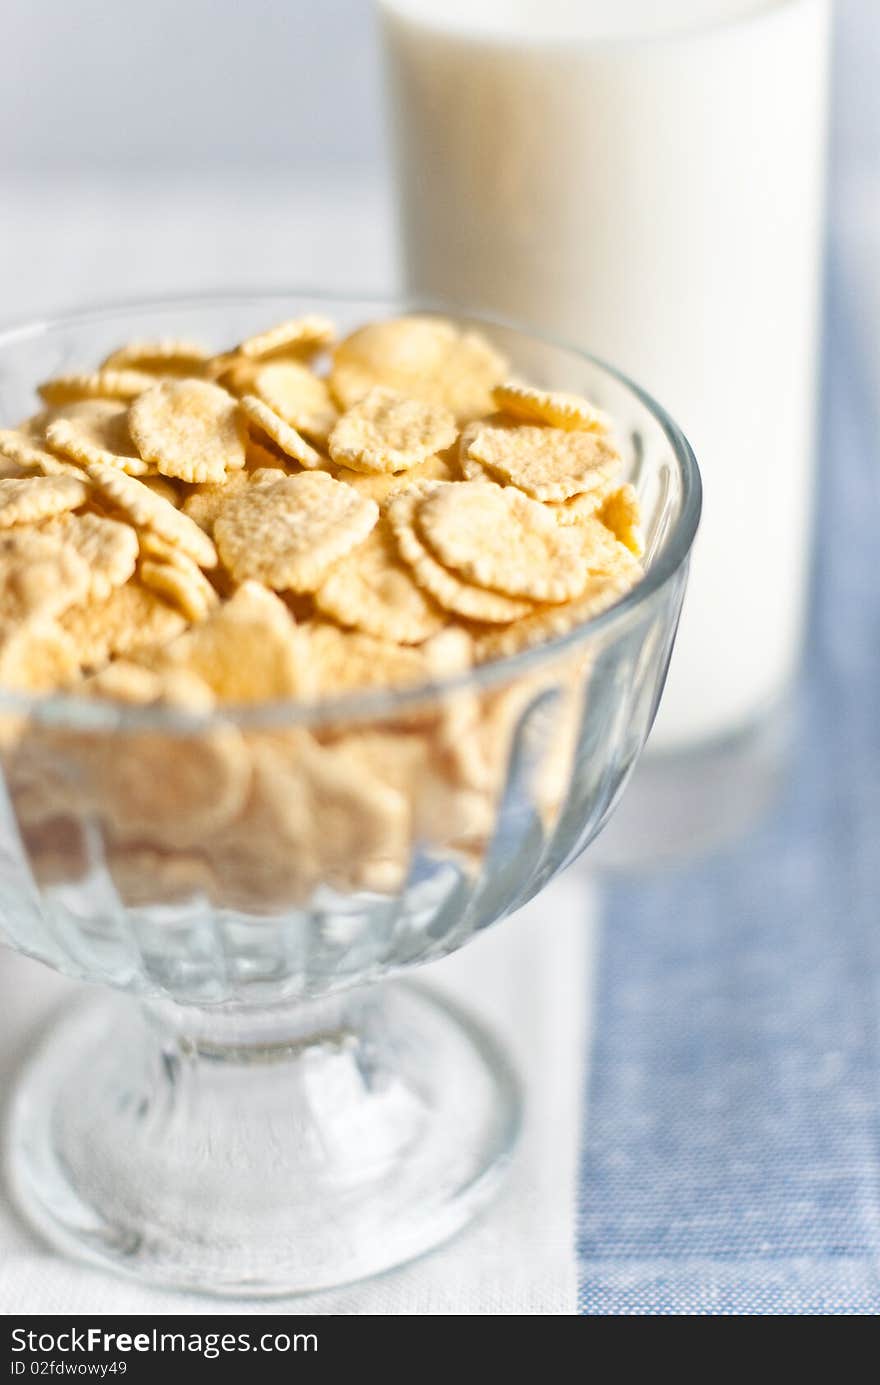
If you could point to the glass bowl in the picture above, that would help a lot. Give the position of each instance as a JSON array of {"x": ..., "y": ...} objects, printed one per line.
[{"x": 258, "y": 1109}]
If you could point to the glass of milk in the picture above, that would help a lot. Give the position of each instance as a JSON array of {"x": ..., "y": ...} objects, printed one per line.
[{"x": 646, "y": 180}]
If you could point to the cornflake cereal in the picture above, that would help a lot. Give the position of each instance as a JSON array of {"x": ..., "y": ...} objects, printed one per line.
[
  {"x": 289, "y": 532},
  {"x": 130, "y": 619},
  {"x": 283, "y": 434},
  {"x": 221, "y": 541},
  {"x": 423, "y": 357},
  {"x": 188, "y": 429},
  {"x": 249, "y": 650},
  {"x": 546, "y": 463},
  {"x": 495, "y": 537},
  {"x": 449, "y": 591},
  {"x": 99, "y": 384},
  {"x": 372, "y": 590},
  {"x": 109, "y": 548},
  {"x": 385, "y": 431},
  {"x": 548, "y": 406},
  {"x": 298, "y": 396},
  {"x": 20, "y": 455},
  {"x": 25, "y": 500},
  {"x": 168, "y": 357},
  {"x": 40, "y": 576},
  {"x": 147, "y": 510},
  {"x": 299, "y": 336},
  {"x": 102, "y": 435},
  {"x": 182, "y": 583}
]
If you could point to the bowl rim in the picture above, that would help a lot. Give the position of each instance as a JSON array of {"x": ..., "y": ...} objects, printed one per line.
[{"x": 373, "y": 703}]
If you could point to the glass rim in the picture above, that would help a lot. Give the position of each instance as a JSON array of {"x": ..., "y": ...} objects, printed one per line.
[{"x": 68, "y": 708}]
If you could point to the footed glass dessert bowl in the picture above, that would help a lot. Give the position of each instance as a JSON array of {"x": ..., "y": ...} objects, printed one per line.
[{"x": 260, "y": 1105}]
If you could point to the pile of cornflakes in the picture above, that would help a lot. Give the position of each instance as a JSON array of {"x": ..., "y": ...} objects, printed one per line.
[{"x": 295, "y": 518}]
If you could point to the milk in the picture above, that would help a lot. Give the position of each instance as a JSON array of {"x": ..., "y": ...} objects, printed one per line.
[{"x": 646, "y": 180}]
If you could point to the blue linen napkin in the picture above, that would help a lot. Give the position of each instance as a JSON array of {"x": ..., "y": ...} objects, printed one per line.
[{"x": 732, "y": 1157}]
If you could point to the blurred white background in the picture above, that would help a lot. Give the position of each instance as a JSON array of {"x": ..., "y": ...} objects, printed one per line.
[{"x": 192, "y": 143}]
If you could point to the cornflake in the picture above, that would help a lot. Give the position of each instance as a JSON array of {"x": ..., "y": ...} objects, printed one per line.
[
  {"x": 546, "y": 463},
  {"x": 495, "y": 537},
  {"x": 248, "y": 650},
  {"x": 380, "y": 486},
  {"x": 423, "y": 357},
  {"x": 40, "y": 576},
  {"x": 21, "y": 455},
  {"x": 108, "y": 547},
  {"x": 448, "y": 590},
  {"x": 146, "y": 510},
  {"x": 283, "y": 434},
  {"x": 299, "y": 336},
  {"x": 189, "y": 429},
  {"x": 560, "y": 410},
  {"x": 99, "y": 384},
  {"x": 24, "y": 500},
  {"x": 289, "y": 532},
  {"x": 102, "y": 435},
  {"x": 386, "y": 431},
  {"x": 167, "y": 357},
  {"x": 182, "y": 583},
  {"x": 131, "y": 618},
  {"x": 372, "y": 590},
  {"x": 298, "y": 396},
  {"x": 621, "y": 514}
]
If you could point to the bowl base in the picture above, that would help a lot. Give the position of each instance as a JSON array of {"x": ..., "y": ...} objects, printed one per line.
[{"x": 251, "y": 1156}]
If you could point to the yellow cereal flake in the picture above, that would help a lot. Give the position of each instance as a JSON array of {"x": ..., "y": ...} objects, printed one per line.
[
  {"x": 578, "y": 508},
  {"x": 372, "y": 590},
  {"x": 36, "y": 657},
  {"x": 551, "y": 622},
  {"x": 97, "y": 384},
  {"x": 182, "y": 584},
  {"x": 423, "y": 357},
  {"x": 496, "y": 537},
  {"x": 130, "y": 619},
  {"x": 298, "y": 396},
  {"x": 449, "y": 591},
  {"x": 146, "y": 510},
  {"x": 207, "y": 501},
  {"x": 381, "y": 486},
  {"x": 265, "y": 455},
  {"x": 40, "y": 576},
  {"x": 287, "y": 533},
  {"x": 299, "y": 336},
  {"x": 621, "y": 514},
  {"x": 386, "y": 431},
  {"x": 344, "y": 661},
  {"x": 531, "y": 405},
  {"x": 604, "y": 554},
  {"x": 335, "y": 815},
  {"x": 101, "y": 437},
  {"x": 169, "y": 356},
  {"x": 233, "y": 372},
  {"x": 124, "y": 681},
  {"x": 149, "y": 788},
  {"x": 285, "y": 436},
  {"x": 108, "y": 547},
  {"x": 21, "y": 455},
  {"x": 189, "y": 429},
  {"x": 248, "y": 650},
  {"x": 28, "y": 499},
  {"x": 165, "y": 489},
  {"x": 546, "y": 463}
]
